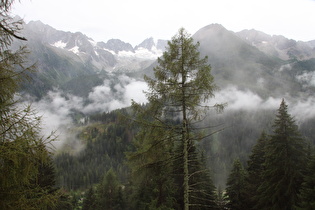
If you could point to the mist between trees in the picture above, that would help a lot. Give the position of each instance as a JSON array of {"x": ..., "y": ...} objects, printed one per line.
[{"x": 183, "y": 143}]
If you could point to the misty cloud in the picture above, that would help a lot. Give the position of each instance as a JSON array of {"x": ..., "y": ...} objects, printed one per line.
[
  {"x": 303, "y": 109},
  {"x": 55, "y": 110},
  {"x": 57, "y": 106},
  {"x": 285, "y": 67},
  {"x": 244, "y": 99},
  {"x": 300, "y": 108},
  {"x": 307, "y": 78},
  {"x": 105, "y": 98}
]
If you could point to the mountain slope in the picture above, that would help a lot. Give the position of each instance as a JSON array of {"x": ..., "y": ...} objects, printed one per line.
[
  {"x": 101, "y": 55},
  {"x": 63, "y": 57},
  {"x": 234, "y": 62},
  {"x": 237, "y": 59},
  {"x": 278, "y": 46}
]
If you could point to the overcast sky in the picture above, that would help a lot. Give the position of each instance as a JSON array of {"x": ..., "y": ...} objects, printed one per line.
[{"x": 135, "y": 20}]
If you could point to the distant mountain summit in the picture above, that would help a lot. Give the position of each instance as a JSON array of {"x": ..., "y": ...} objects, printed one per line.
[
  {"x": 153, "y": 45},
  {"x": 116, "y": 45},
  {"x": 278, "y": 46},
  {"x": 267, "y": 65},
  {"x": 114, "y": 55}
]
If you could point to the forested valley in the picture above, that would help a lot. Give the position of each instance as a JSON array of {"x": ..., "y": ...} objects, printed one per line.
[
  {"x": 235, "y": 166},
  {"x": 180, "y": 150}
]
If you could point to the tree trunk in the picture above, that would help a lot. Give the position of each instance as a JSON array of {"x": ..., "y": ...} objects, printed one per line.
[
  {"x": 185, "y": 138},
  {"x": 186, "y": 171}
]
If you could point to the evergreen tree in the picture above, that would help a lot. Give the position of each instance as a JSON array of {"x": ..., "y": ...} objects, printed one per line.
[
  {"x": 203, "y": 190},
  {"x": 151, "y": 166},
  {"x": 221, "y": 199},
  {"x": 182, "y": 83},
  {"x": 235, "y": 187},
  {"x": 109, "y": 192},
  {"x": 23, "y": 154},
  {"x": 284, "y": 164},
  {"x": 89, "y": 202},
  {"x": 255, "y": 170},
  {"x": 307, "y": 198}
]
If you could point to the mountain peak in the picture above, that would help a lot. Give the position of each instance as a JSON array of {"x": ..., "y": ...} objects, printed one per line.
[
  {"x": 116, "y": 45},
  {"x": 39, "y": 26},
  {"x": 152, "y": 44},
  {"x": 277, "y": 45},
  {"x": 213, "y": 31},
  {"x": 214, "y": 27},
  {"x": 147, "y": 44}
]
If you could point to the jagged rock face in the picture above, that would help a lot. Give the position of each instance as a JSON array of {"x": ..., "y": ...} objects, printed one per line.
[
  {"x": 116, "y": 45},
  {"x": 151, "y": 44},
  {"x": 114, "y": 55}
]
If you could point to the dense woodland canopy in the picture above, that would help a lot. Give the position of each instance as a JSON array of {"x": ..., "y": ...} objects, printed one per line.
[{"x": 175, "y": 152}]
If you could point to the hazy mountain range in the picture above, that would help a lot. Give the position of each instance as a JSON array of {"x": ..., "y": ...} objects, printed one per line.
[
  {"x": 114, "y": 55},
  {"x": 248, "y": 58},
  {"x": 250, "y": 67}
]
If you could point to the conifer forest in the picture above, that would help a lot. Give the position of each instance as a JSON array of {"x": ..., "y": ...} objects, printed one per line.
[{"x": 182, "y": 149}]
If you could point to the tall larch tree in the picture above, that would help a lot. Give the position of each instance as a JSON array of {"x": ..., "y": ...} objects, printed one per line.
[
  {"x": 285, "y": 163},
  {"x": 177, "y": 96},
  {"x": 23, "y": 155}
]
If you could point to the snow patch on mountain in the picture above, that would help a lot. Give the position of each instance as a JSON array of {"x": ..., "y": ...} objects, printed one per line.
[
  {"x": 60, "y": 44},
  {"x": 141, "y": 53},
  {"x": 113, "y": 55},
  {"x": 75, "y": 50}
]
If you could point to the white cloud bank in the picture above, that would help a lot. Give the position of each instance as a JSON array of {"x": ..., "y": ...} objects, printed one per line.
[
  {"x": 244, "y": 99},
  {"x": 56, "y": 107},
  {"x": 300, "y": 108}
]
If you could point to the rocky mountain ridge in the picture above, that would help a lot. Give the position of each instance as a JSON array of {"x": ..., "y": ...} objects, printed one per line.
[
  {"x": 114, "y": 55},
  {"x": 278, "y": 45},
  {"x": 76, "y": 63}
]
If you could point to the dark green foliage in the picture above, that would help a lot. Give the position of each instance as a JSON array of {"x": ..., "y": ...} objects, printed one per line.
[
  {"x": 203, "y": 192},
  {"x": 255, "y": 171},
  {"x": 235, "y": 190},
  {"x": 306, "y": 196},
  {"x": 241, "y": 129},
  {"x": 109, "y": 193},
  {"x": 105, "y": 147},
  {"x": 46, "y": 177},
  {"x": 221, "y": 199},
  {"x": 284, "y": 165},
  {"x": 151, "y": 168}
]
